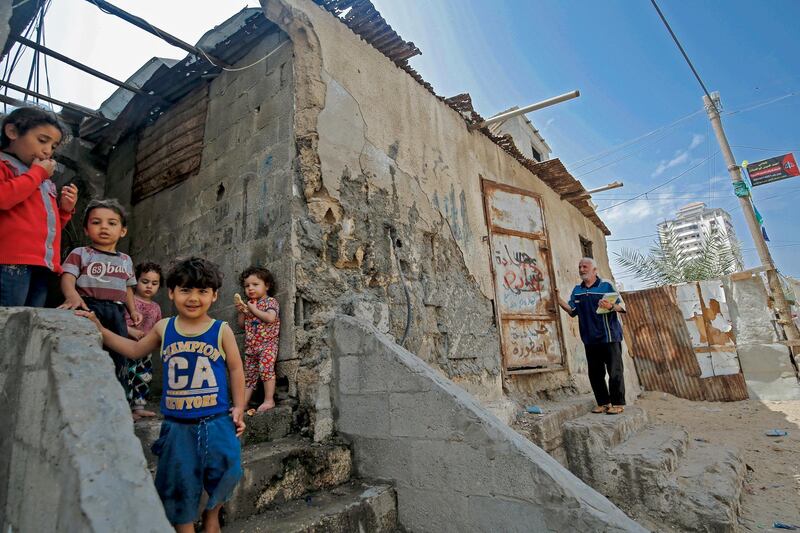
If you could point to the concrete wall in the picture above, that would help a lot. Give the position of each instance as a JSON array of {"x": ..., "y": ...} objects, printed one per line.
[
  {"x": 379, "y": 157},
  {"x": 766, "y": 363},
  {"x": 454, "y": 465},
  {"x": 236, "y": 210},
  {"x": 69, "y": 460}
]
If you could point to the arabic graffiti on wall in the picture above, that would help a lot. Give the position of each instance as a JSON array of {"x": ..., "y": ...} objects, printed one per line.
[
  {"x": 520, "y": 269},
  {"x": 531, "y": 342}
]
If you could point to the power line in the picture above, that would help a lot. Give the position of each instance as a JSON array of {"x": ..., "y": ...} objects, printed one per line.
[
  {"x": 765, "y": 149},
  {"x": 685, "y": 56},
  {"x": 586, "y": 160},
  {"x": 658, "y": 186},
  {"x": 633, "y": 238}
]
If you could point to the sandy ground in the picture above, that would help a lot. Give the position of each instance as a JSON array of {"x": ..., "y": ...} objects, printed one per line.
[{"x": 772, "y": 490}]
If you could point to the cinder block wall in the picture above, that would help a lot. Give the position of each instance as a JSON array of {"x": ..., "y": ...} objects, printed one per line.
[
  {"x": 69, "y": 460},
  {"x": 455, "y": 466},
  {"x": 236, "y": 210}
]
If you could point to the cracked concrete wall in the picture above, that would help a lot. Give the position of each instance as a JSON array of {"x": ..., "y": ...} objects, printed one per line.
[
  {"x": 235, "y": 211},
  {"x": 455, "y": 466},
  {"x": 70, "y": 459},
  {"x": 379, "y": 157}
]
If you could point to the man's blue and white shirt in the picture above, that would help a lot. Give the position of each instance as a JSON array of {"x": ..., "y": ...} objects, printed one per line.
[{"x": 595, "y": 328}]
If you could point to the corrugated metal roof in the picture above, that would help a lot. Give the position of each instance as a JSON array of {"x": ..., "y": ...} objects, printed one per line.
[{"x": 229, "y": 42}]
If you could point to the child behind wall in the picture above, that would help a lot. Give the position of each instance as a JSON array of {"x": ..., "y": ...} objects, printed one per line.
[
  {"x": 197, "y": 449},
  {"x": 98, "y": 278},
  {"x": 149, "y": 279},
  {"x": 31, "y": 214},
  {"x": 260, "y": 318}
]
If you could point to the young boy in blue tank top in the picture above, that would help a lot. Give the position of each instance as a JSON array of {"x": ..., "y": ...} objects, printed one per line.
[{"x": 198, "y": 447}]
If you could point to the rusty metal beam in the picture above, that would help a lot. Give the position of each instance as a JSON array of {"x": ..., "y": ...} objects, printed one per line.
[
  {"x": 80, "y": 66},
  {"x": 76, "y": 108},
  {"x": 149, "y": 28}
]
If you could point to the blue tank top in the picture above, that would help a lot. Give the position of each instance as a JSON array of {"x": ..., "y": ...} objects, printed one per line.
[{"x": 195, "y": 378}]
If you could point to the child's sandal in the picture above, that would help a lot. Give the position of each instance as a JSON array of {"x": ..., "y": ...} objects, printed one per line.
[{"x": 615, "y": 410}]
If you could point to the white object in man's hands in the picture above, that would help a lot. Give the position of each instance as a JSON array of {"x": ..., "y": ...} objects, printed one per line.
[{"x": 610, "y": 297}]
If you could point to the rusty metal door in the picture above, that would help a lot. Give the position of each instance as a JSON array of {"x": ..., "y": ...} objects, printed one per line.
[{"x": 530, "y": 332}]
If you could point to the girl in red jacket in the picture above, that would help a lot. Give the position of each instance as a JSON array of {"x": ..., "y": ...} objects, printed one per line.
[{"x": 30, "y": 217}]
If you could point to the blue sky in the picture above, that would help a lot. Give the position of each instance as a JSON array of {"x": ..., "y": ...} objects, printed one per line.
[
  {"x": 632, "y": 81},
  {"x": 504, "y": 53}
]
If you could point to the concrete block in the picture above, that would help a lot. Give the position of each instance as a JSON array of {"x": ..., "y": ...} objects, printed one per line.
[
  {"x": 768, "y": 371},
  {"x": 366, "y": 415},
  {"x": 438, "y": 420}
]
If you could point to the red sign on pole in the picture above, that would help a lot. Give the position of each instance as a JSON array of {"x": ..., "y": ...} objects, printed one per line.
[{"x": 772, "y": 169}]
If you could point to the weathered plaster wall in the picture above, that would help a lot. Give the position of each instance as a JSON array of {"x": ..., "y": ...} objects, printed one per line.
[
  {"x": 70, "y": 460},
  {"x": 766, "y": 363},
  {"x": 455, "y": 466},
  {"x": 380, "y": 157},
  {"x": 235, "y": 211}
]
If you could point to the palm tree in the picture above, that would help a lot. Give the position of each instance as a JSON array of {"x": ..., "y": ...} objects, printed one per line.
[{"x": 665, "y": 264}]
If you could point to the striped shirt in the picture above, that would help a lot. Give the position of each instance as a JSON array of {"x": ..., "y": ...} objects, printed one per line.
[{"x": 100, "y": 275}]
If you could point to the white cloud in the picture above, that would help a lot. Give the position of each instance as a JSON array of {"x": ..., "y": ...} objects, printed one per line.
[
  {"x": 549, "y": 122},
  {"x": 681, "y": 157},
  {"x": 697, "y": 140}
]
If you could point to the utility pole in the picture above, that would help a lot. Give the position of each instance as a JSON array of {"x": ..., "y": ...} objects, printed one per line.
[{"x": 773, "y": 281}]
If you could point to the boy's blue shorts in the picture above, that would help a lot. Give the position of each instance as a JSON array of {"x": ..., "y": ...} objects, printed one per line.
[{"x": 192, "y": 457}]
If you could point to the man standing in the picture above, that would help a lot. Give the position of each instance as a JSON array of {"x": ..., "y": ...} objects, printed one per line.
[{"x": 596, "y": 304}]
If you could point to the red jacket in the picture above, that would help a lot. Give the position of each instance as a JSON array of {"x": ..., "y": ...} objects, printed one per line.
[{"x": 30, "y": 219}]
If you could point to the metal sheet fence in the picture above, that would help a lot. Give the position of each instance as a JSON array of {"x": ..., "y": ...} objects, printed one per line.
[{"x": 663, "y": 353}]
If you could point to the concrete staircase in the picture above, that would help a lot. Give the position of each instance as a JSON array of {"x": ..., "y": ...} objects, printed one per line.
[
  {"x": 656, "y": 474},
  {"x": 292, "y": 485}
]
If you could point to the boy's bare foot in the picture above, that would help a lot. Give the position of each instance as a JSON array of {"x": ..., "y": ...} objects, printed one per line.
[
  {"x": 266, "y": 406},
  {"x": 136, "y": 415},
  {"x": 145, "y": 413}
]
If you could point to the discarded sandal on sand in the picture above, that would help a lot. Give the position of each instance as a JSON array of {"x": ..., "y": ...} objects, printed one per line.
[
  {"x": 615, "y": 410},
  {"x": 601, "y": 409}
]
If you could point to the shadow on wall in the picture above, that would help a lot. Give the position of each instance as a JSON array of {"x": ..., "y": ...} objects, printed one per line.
[{"x": 70, "y": 459}]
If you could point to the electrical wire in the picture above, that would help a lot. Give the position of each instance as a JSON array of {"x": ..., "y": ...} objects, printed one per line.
[
  {"x": 658, "y": 186},
  {"x": 633, "y": 238},
  {"x": 761, "y": 104},
  {"x": 683, "y": 52},
  {"x": 586, "y": 160}
]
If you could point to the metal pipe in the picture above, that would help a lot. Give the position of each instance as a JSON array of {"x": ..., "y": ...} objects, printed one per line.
[
  {"x": 586, "y": 194},
  {"x": 614, "y": 185},
  {"x": 79, "y": 66},
  {"x": 149, "y": 28},
  {"x": 527, "y": 109},
  {"x": 76, "y": 108}
]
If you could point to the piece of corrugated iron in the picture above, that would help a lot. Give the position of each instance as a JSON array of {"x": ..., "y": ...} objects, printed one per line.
[{"x": 661, "y": 347}]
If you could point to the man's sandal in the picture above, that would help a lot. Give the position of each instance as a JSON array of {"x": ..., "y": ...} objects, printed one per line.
[
  {"x": 601, "y": 409},
  {"x": 615, "y": 410}
]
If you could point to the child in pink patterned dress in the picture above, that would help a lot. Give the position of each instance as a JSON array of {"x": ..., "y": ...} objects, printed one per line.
[
  {"x": 262, "y": 325},
  {"x": 140, "y": 371}
]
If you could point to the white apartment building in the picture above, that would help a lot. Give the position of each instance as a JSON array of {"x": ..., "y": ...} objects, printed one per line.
[{"x": 693, "y": 223}]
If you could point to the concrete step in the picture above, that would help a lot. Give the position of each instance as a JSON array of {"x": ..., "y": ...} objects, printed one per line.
[
  {"x": 261, "y": 427},
  {"x": 355, "y": 506},
  {"x": 707, "y": 489},
  {"x": 588, "y": 440},
  {"x": 657, "y": 448},
  {"x": 547, "y": 429},
  {"x": 285, "y": 469}
]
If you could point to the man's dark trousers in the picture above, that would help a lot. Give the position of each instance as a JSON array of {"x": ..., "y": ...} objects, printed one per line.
[{"x": 606, "y": 356}]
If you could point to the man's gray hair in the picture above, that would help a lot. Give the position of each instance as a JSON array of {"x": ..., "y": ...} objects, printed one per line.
[{"x": 588, "y": 260}]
